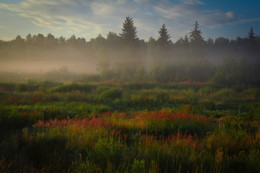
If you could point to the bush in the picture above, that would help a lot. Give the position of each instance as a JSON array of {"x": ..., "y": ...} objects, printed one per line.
[
  {"x": 75, "y": 87},
  {"x": 101, "y": 89},
  {"x": 21, "y": 88},
  {"x": 7, "y": 86},
  {"x": 111, "y": 94},
  {"x": 226, "y": 92}
]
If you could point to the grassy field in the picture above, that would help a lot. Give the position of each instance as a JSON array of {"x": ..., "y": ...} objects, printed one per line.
[{"x": 128, "y": 127}]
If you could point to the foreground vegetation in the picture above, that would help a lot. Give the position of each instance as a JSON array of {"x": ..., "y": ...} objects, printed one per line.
[{"x": 129, "y": 127}]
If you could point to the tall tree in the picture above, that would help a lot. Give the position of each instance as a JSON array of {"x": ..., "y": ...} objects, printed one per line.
[
  {"x": 129, "y": 33},
  {"x": 195, "y": 36},
  {"x": 164, "y": 38},
  {"x": 251, "y": 39},
  {"x": 251, "y": 35}
]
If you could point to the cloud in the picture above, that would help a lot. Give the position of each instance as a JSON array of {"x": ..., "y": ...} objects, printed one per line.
[
  {"x": 61, "y": 14},
  {"x": 230, "y": 15},
  {"x": 92, "y": 17},
  {"x": 120, "y": 1},
  {"x": 88, "y": 18},
  {"x": 101, "y": 9},
  {"x": 3, "y": 27},
  {"x": 239, "y": 21},
  {"x": 192, "y": 2},
  {"x": 191, "y": 11},
  {"x": 168, "y": 13}
]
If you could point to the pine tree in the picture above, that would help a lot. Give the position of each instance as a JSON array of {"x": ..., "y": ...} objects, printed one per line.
[
  {"x": 195, "y": 36},
  {"x": 251, "y": 35},
  {"x": 129, "y": 33},
  {"x": 251, "y": 39},
  {"x": 164, "y": 38}
]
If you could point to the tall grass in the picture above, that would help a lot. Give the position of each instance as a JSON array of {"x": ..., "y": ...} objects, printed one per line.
[{"x": 129, "y": 128}]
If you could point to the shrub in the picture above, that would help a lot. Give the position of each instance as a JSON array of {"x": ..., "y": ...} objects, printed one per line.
[
  {"x": 138, "y": 166},
  {"x": 101, "y": 89},
  {"x": 111, "y": 94},
  {"x": 74, "y": 87},
  {"x": 7, "y": 86},
  {"x": 226, "y": 92},
  {"x": 21, "y": 88}
]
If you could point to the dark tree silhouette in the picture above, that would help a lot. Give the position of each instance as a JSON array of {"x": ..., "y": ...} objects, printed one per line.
[
  {"x": 113, "y": 40},
  {"x": 39, "y": 40},
  {"x": 29, "y": 38},
  {"x": 129, "y": 33},
  {"x": 98, "y": 43},
  {"x": 210, "y": 42},
  {"x": 62, "y": 40},
  {"x": 164, "y": 38},
  {"x": 251, "y": 35},
  {"x": 19, "y": 42},
  {"x": 195, "y": 36},
  {"x": 221, "y": 42},
  {"x": 51, "y": 41},
  {"x": 72, "y": 40},
  {"x": 251, "y": 39}
]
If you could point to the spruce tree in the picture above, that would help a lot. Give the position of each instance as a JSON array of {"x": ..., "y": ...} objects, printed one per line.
[
  {"x": 164, "y": 38},
  {"x": 129, "y": 33},
  {"x": 251, "y": 35},
  {"x": 195, "y": 36},
  {"x": 251, "y": 39}
]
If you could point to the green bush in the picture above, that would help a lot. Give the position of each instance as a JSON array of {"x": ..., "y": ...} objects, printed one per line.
[
  {"x": 60, "y": 110},
  {"x": 138, "y": 166},
  {"x": 111, "y": 94},
  {"x": 74, "y": 87},
  {"x": 138, "y": 86},
  {"x": 21, "y": 88},
  {"x": 226, "y": 92},
  {"x": 101, "y": 89}
]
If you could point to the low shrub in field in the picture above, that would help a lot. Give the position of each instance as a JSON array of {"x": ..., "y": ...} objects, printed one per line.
[
  {"x": 101, "y": 89},
  {"x": 138, "y": 86},
  {"x": 163, "y": 123},
  {"x": 69, "y": 128},
  {"x": 156, "y": 123},
  {"x": 7, "y": 86},
  {"x": 226, "y": 92},
  {"x": 12, "y": 120},
  {"x": 110, "y": 94},
  {"x": 153, "y": 141},
  {"x": 34, "y": 86},
  {"x": 74, "y": 87},
  {"x": 106, "y": 144},
  {"x": 61, "y": 110},
  {"x": 22, "y": 88}
]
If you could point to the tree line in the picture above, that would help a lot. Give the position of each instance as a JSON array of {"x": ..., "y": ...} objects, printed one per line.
[
  {"x": 126, "y": 57},
  {"x": 129, "y": 38}
]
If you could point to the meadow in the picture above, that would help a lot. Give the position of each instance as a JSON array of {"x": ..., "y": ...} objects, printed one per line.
[{"x": 129, "y": 127}]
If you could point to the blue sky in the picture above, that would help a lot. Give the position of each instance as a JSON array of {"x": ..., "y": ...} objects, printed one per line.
[{"x": 88, "y": 18}]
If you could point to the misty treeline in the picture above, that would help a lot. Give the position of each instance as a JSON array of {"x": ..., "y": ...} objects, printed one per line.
[{"x": 126, "y": 57}]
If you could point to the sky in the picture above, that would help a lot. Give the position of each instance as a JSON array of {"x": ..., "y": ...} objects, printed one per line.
[{"x": 88, "y": 18}]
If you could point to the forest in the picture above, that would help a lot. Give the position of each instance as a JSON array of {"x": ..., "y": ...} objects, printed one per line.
[{"x": 122, "y": 104}]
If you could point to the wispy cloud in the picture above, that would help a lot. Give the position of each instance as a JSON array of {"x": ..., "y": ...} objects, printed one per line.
[
  {"x": 88, "y": 18},
  {"x": 191, "y": 10},
  {"x": 3, "y": 27}
]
